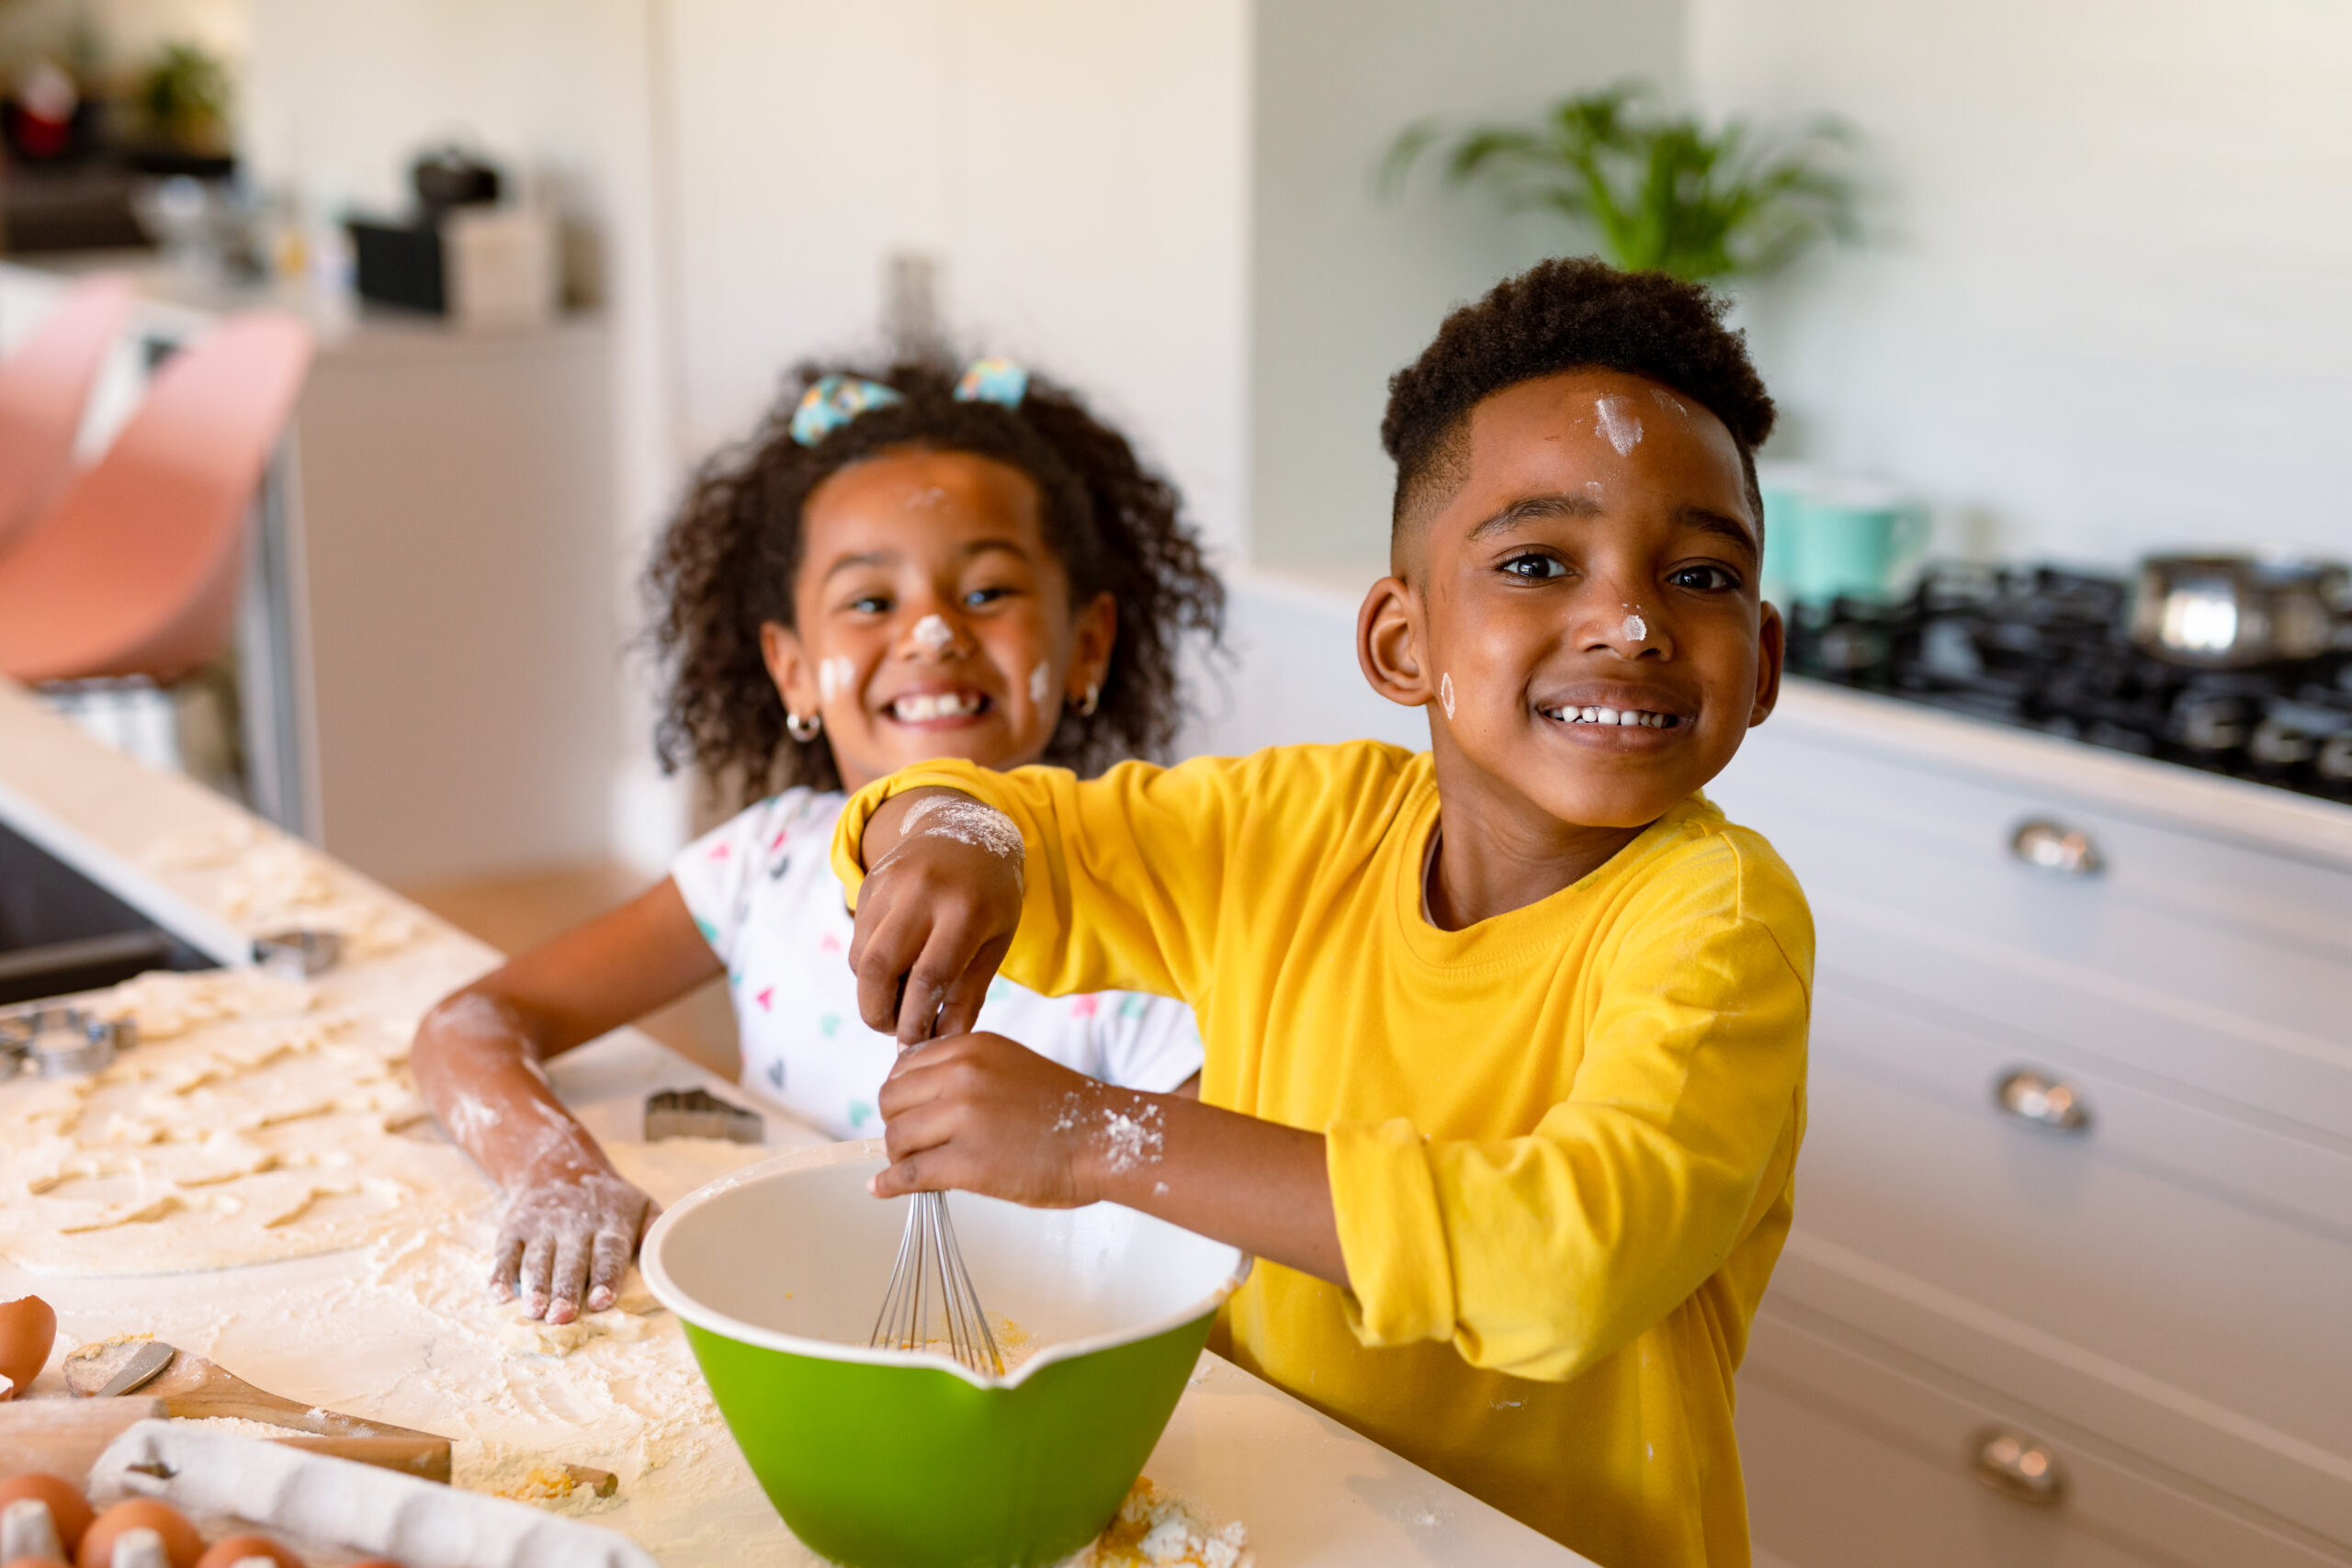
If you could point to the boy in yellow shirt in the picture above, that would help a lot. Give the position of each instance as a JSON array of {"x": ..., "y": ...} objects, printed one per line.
[{"x": 1506, "y": 1040}]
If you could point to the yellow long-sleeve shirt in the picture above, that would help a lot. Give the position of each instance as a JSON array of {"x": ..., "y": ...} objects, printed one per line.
[{"x": 1561, "y": 1142}]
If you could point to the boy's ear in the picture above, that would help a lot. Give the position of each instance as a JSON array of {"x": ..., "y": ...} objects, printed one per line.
[
  {"x": 1389, "y": 643},
  {"x": 1771, "y": 648},
  {"x": 789, "y": 667},
  {"x": 1092, "y": 632}
]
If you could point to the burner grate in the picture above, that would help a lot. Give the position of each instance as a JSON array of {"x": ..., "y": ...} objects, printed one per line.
[{"x": 2045, "y": 647}]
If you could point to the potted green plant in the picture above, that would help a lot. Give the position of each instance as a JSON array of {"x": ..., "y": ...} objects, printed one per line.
[{"x": 1655, "y": 191}]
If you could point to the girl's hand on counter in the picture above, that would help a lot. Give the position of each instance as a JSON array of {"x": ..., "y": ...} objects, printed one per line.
[
  {"x": 566, "y": 1238},
  {"x": 936, "y": 913}
]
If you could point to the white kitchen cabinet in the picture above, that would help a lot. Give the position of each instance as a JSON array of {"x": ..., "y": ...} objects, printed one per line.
[
  {"x": 2145, "y": 1245},
  {"x": 1859, "y": 1456}
]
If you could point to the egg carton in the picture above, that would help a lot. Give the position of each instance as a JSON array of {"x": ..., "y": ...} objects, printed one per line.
[{"x": 323, "y": 1504}]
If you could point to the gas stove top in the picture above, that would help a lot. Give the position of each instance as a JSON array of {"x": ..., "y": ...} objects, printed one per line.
[{"x": 2045, "y": 648}]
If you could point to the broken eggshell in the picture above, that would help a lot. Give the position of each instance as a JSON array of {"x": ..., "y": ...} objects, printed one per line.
[{"x": 27, "y": 1329}]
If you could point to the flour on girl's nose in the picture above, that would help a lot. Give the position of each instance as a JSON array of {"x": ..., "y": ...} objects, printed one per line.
[
  {"x": 933, "y": 633},
  {"x": 1618, "y": 424},
  {"x": 835, "y": 676}
]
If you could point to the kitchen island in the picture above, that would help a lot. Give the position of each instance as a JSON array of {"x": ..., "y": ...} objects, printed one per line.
[{"x": 401, "y": 1329}]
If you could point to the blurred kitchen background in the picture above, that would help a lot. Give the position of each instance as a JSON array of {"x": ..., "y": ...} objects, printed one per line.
[
  {"x": 2064, "y": 382},
  {"x": 2096, "y": 308}
]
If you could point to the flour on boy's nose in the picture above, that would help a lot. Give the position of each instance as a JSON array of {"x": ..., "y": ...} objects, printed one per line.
[
  {"x": 933, "y": 633},
  {"x": 1634, "y": 628},
  {"x": 1618, "y": 423}
]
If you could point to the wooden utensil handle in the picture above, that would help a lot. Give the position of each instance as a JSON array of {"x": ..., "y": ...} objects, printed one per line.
[{"x": 420, "y": 1455}]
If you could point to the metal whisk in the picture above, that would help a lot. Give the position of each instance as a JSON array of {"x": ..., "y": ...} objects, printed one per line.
[{"x": 929, "y": 1285}]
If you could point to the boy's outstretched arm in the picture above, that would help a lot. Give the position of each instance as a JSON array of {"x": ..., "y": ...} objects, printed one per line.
[{"x": 980, "y": 1114}]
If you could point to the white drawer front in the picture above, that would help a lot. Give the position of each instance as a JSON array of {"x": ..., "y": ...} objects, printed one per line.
[
  {"x": 1857, "y": 1460},
  {"x": 2215, "y": 966},
  {"x": 2147, "y": 1306}
]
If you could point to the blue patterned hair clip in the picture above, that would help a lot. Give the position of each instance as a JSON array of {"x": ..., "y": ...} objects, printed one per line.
[
  {"x": 835, "y": 401},
  {"x": 993, "y": 381}
]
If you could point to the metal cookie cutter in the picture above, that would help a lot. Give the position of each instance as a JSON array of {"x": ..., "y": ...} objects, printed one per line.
[
  {"x": 62, "y": 1042},
  {"x": 298, "y": 954}
]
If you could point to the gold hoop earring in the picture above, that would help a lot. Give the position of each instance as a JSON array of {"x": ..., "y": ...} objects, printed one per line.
[{"x": 803, "y": 729}]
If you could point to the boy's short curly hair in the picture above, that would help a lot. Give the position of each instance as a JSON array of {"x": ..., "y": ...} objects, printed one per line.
[
  {"x": 730, "y": 556},
  {"x": 1568, "y": 313}
]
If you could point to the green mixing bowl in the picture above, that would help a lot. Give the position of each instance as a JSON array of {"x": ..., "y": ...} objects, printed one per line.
[{"x": 892, "y": 1460}]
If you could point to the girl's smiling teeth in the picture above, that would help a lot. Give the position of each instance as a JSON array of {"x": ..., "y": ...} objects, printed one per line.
[{"x": 926, "y": 707}]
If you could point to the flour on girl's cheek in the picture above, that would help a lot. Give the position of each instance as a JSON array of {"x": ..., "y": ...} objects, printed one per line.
[
  {"x": 1445, "y": 692},
  {"x": 1041, "y": 681},
  {"x": 1618, "y": 424},
  {"x": 835, "y": 676},
  {"x": 933, "y": 633}
]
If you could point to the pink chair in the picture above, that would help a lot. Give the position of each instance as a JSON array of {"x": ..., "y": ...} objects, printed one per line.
[
  {"x": 44, "y": 386},
  {"x": 135, "y": 571}
]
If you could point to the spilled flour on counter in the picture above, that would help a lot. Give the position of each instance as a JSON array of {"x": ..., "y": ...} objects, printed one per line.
[
  {"x": 246, "y": 1127},
  {"x": 263, "y": 881},
  {"x": 1156, "y": 1529}
]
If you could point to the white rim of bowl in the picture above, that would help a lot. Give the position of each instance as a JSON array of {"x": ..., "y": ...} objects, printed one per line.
[{"x": 667, "y": 1292}]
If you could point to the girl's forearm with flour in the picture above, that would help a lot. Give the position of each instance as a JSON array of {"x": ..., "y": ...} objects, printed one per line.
[{"x": 571, "y": 1223}]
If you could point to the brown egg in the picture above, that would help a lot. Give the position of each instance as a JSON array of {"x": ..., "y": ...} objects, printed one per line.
[
  {"x": 28, "y": 1328},
  {"x": 231, "y": 1549},
  {"x": 181, "y": 1545},
  {"x": 66, "y": 1509}
]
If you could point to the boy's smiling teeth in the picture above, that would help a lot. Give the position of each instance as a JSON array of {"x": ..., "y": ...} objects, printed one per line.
[
  {"x": 920, "y": 708},
  {"x": 1641, "y": 717}
]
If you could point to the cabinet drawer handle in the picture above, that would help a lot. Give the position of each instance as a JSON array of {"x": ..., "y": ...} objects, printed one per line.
[
  {"x": 2021, "y": 1466},
  {"x": 2061, "y": 851},
  {"x": 2044, "y": 1102}
]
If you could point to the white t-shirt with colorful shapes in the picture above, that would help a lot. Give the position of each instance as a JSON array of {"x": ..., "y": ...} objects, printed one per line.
[{"x": 762, "y": 889}]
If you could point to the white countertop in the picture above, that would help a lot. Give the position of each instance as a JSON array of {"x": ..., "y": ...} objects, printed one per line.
[{"x": 355, "y": 1331}]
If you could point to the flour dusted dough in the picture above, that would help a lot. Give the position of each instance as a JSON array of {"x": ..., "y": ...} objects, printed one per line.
[{"x": 245, "y": 1127}]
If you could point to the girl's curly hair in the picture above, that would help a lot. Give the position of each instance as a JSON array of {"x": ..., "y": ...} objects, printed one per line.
[{"x": 728, "y": 560}]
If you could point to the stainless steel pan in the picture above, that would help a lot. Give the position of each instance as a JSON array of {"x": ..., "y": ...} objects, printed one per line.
[{"x": 2224, "y": 612}]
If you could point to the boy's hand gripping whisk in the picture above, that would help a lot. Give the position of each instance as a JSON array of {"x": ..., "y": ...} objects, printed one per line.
[{"x": 937, "y": 912}]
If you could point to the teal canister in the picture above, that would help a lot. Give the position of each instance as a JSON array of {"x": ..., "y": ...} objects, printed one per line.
[
  {"x": 1784, "y": 487},
  {"x": 1849, "y": 539}
]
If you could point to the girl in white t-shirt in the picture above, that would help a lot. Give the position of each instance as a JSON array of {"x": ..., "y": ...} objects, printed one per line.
[{"x": 932, "y": 561}]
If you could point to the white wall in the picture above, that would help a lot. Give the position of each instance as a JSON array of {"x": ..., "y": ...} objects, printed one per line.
[
  {"x": 1348, "y": 287},
  {"x": 339, "y": 98},
  {"x": 2108, "y": 306},
  {"x": 1079, "y": 166}
]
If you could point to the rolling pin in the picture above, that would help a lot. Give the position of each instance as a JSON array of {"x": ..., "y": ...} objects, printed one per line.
[{"x": 155, "y": 1379}]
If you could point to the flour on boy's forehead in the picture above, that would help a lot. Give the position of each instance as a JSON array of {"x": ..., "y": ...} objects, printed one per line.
[{"x": 1618, "y": 423}]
